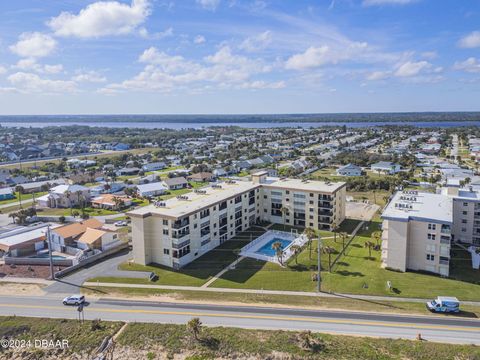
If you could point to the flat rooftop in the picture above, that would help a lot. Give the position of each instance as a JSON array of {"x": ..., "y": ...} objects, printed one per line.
[
  {"x": 195, "y": 201},
  {"x": 415, "y": 205},
  {"x": 303, "y": 185}
]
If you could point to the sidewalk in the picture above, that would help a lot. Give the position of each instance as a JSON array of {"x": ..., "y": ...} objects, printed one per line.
[{"x": 266, "y": 292}]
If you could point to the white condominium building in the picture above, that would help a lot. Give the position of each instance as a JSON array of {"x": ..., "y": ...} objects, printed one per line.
[
  {"x": 177, "y": 231},
  {"x": 416, "y": 232},
  {"x": 466, "y": 215}
]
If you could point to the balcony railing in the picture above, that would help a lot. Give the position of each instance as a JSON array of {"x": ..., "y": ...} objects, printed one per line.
[{"x": 443, "y": 262}]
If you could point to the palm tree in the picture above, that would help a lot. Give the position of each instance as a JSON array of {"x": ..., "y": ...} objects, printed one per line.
[
  {"x": 67, "y": 195},
  {"x": 19, "y": 189},
  {"x": 194, "y": 326},
  {"x": 369, "y": 245},
  {"x": 376, "y": 236},
  {"x": 277, "y": 246},
  {"x": 310, "y": 234},
  {"x": 329, "y": 251},
  {"x": 334, "y": 228},
  {"x": 296, "y": 250},
  {"x": 13, "y": 215},
  {"x": 79, "y": 196},
  {"x": 284, "y": 211},
  {"x": 344, "y": 236},
  {"x": 118, "y": 202}
]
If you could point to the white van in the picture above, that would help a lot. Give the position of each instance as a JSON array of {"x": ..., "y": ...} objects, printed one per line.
[{"x": 444, "y": 304}]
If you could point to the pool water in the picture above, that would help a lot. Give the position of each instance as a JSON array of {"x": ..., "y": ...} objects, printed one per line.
[{"x": 267, "y": 248}]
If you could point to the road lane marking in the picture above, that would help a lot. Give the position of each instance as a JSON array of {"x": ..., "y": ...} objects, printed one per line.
[{"x": 257, "y": 317}]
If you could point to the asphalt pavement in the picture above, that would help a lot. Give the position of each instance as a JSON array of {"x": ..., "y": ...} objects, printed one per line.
[{"x": 438, "y": 328}]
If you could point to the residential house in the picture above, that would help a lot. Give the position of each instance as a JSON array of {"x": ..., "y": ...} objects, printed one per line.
[
  {"x": 65, "y": 196},
  {"x": 175, "y": 183},
  {"x": 24, "y": 240},
  {"x": 67, "y": 235},
  {"x": 349, "y": 170},
  {"x": 154, "y": 166},
  {"x": 111, "y": 202},
  {"x": 6, "y": 194},
  {"x": 201, "y": 177},
  {"x": 152, "y": 189},
  {"x": 385, "y": 167},
  {"x": 97, "y": 239}
]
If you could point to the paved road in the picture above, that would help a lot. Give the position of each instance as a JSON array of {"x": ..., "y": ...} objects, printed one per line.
[
  {"x": 439, "y": 328},
  {"x": 109, "y": 267}
]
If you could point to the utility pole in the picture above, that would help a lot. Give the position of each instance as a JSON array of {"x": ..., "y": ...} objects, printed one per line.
[
  {"x": 319, "y": 279},
  {"x": 52, "y": 275}
]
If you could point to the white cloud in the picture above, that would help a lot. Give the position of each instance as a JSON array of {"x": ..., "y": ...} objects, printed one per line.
[
  {"x": 199, "y": 39},
  {"x": 411, "y": 68},
  {"x": 101, "y": 18},
  {"x": 3, "y": 70},
  {"x": 34, "y": 44},
  {"x": 378, "y": 75},
  {"x": 30, "y": 64},
  {"x": 32, "y": 83},
  {"x": 471, "y": 65},
  {"x": 318, "y": 56},
  {"x": 223, "y": 69},
  {"x": 209, "y": 4},
  {"x": 470, "y": 41},
  {"x": 387, "y": 2},
  {"x": 89, "y": 76},
  {"x": 257, "y": 42},
  {"x": 160, "y": 35}
]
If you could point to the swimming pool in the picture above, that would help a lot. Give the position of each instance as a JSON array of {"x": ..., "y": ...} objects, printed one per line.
[
  {"x": 45, "y": 256},
  {"x": 267, "y": 250}
]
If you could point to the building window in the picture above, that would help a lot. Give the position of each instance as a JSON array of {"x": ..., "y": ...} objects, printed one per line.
[
  {"x": 464, "y": 221},
  {"x": 166, "y": 251},
  {"x": 165, "y": 231},
  {"x": 431, "y": 236},
  {"x": 165, "y": 222},
  {"x": 464, "y": 229},
  {"x": 432, "y": 226},
  {"x": 430, "y": 257},
  {"x": 465, "y": 204}
]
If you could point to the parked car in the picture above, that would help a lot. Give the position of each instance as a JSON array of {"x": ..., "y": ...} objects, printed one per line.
[
  {"x": 444, "y": 304},
  {"x": 74, "y": 300},
  {"x": 121, "y": 223}
]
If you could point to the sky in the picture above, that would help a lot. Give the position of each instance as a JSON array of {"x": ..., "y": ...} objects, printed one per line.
[{"x": 238, "y": 56}]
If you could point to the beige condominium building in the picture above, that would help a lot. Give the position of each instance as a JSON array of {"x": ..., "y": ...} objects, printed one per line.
[
  {"x": 177, "y": 231},
  {"x": 417, "y": 232}
]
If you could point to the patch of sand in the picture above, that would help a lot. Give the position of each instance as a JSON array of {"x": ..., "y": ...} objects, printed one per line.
[{"x": 20, "y": 289}]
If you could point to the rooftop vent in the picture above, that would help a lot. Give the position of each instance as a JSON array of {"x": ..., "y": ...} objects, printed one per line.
[
  {"x": 159, "y": 204},
  {"x": 216, "y": 186},
  {"x": 182, "y": 197}
]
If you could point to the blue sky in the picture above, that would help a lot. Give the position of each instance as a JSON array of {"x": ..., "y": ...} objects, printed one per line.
[{"x": 238, "y": 56}]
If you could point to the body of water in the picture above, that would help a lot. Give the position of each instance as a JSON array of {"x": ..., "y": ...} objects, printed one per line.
[{"x": 257, "y": 125}]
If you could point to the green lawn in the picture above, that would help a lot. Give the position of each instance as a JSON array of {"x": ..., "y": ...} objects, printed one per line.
[
  {"x": 355, "y": 273},
  {"x": 195, "y": 273},
  {"x": 67, "y": 212},
  {"x": 22, "y": 197}
]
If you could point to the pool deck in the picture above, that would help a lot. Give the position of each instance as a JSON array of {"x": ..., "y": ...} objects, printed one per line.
[{"x": 251, "y": 250}]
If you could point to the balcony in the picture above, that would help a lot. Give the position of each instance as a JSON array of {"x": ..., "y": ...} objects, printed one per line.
[
  {"x": 181, "y": 223},
  {"x": 445, "y": 229},
  {"x": 180, "y": 234},
  {"x": 443, "y": 262},
  {"x": 325, "y": 205},
  {"x": 445, "y": 240}
]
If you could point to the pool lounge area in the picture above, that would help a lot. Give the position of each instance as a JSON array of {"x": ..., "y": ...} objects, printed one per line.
[{"x": 261, "y": 247}]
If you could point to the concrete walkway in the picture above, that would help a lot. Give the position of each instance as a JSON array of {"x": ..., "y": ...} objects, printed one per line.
[
  {"x": 268, "y": 292},
  {"x": 231, "y": 266}
]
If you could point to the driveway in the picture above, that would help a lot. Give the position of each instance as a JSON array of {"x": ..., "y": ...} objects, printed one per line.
[{"x": 71, "y": 284}]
